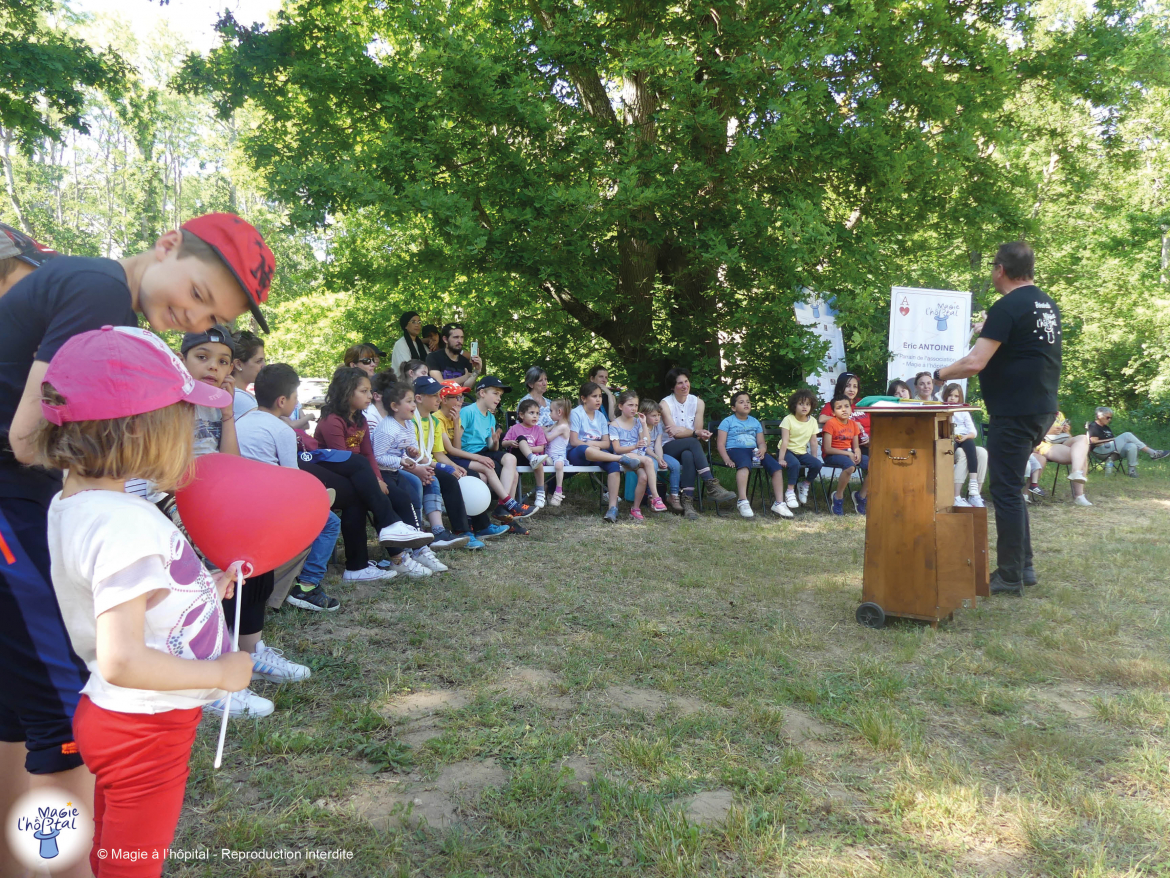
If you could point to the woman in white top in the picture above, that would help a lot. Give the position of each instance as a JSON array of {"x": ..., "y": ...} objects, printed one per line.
[
  {"x": 683, "y": 418},
  {"x": 410, "y": 346},
  {"x": 536, "y": 381}
]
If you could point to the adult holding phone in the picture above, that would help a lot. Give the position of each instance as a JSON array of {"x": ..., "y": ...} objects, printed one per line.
[
  {"x": 1018, "y": 359},
  {"x": 448, "y": 363}
]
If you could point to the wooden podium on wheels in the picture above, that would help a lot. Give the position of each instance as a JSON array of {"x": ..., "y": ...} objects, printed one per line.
[{"x": 924, "y": 556}]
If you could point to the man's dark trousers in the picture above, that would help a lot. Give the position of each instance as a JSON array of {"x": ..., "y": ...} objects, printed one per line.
[{"x": 1009, "y": 445}]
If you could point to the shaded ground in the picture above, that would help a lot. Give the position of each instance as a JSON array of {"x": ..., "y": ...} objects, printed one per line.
[{"x": 696, "y": 699}]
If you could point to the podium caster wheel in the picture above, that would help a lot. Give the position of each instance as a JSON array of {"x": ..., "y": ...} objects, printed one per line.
[{"x": 871, "y": 616}]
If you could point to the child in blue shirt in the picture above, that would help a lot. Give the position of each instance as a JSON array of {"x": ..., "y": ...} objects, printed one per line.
[
  {"x": 741, "y": 444},
  {"x": 478, "y": 434}
]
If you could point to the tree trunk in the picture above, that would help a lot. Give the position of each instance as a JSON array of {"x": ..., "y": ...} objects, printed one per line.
[{"x": 10, "y": 184}]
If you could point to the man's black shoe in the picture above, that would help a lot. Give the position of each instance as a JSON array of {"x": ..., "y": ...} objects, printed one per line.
[
  {"x": 1001, "y": 586},
  {"x": 1030, "y": 577}
]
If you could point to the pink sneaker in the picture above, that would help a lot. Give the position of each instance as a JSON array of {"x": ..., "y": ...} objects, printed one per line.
[
  {"x": 636, "y": 514},
  {"x": 657, "y": 505}
]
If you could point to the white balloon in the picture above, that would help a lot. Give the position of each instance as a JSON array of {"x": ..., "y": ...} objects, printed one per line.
[{"x": 477, "y": 496}]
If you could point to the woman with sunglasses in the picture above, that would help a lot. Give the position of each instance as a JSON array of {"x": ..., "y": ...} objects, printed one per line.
[{"x": 364, "y": 356}]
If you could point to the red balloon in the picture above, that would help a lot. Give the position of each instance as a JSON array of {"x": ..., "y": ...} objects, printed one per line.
[{"x": 236, "y": 509}]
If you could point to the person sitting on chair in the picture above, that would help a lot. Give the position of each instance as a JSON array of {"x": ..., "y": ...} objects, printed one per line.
[{"x": 1102, "y": 442}]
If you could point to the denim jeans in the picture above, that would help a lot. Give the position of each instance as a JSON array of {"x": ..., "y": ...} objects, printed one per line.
[
  {"x": 320, "y": 551},
  {"x": 411, "y": 484},
  {"x": 794, "y": 462},
  {"x": 675, "y": 469}
]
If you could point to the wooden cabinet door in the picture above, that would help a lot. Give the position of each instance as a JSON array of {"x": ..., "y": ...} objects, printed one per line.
[{"x": 955, "y": 561}]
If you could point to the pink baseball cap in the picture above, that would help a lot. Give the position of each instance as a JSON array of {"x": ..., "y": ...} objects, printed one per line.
[{"x": 118, "y": 371}]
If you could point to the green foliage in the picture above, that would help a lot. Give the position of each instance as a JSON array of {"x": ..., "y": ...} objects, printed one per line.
[
  {"x": 45, "y": 70},
  {"x": 666, "y": 177}
]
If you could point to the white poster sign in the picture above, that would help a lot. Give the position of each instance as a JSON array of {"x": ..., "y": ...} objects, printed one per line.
[
  {"x": 929, "y": 329},
  {"x": 820, "y": 317}
]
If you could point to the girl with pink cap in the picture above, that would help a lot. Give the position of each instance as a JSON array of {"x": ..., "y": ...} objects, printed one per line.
[{"x": 140, "y": 609}]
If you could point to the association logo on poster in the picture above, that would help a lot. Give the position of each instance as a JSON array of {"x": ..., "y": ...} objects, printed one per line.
[{"x": 929, "y": 329}]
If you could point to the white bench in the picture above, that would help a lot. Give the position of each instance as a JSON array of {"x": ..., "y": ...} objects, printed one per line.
[{"x": 549, "y": 469}]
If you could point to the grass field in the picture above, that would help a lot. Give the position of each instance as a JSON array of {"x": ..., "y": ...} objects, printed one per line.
[{"x": 684, "y": 699}]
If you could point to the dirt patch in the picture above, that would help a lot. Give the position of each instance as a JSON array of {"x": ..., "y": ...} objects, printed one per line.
[
  {"x": 649, "y": 701},
  {"x": 531, "y": 678},
  {"x": 420, "y": 704},
  {"x": 584, "y": 769},
  {"x": 438, "y": 803},
  {"x": 706, "y": 809},
  {"x": 998, "y": 863},
  {"x": 800, "y": 727},
  {"x": 1073, "y": 700},
  {"x": 539, "y": 685}
]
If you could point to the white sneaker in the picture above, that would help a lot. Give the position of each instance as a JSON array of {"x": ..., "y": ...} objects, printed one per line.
[
  {"x": 1082, "y": 500},
  {"x": 401, "y": 535},
  {"x": 790, "y": 499},
  {"x": 1078, "y": 475},
  {"x": 271, "y": 665},
  {"x": 539, "y": 501},
  {"x": 975, "y": 500},
  {"x": 959, "y": 501},
  {"x": 782, "y": 509},
  {"x": 802, "y": 493},
  {"x": 745, "y": 509},
  {"x": 246, "y": 703},
  {"x": 427, "y": 559},
  {"x": 538, "y": 460},
  {"x": 407, "y": 565},
  {"x": 557, "y": 499},
  {"x": 372, "y": 572}
]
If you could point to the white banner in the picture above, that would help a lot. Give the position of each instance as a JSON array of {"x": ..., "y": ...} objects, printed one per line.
[
  {"x": 929, "y": 329},
  {"x": 819, "y": 316}
]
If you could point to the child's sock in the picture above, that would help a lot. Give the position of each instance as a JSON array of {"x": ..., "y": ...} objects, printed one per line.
[
  {"x": 558, "y": 491},
  {"x": 511, "y": 505},
  {"x": 689, "y": 492},
  {"x": 306, "y": 587}
]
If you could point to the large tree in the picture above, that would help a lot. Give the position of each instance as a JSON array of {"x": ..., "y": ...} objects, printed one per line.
[{"x": 667, "y": 174}]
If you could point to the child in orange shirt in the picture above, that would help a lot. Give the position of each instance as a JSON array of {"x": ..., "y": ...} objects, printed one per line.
[{"x": 842, "y": 450}]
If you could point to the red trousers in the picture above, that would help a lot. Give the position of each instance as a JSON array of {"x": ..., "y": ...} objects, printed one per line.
[{"x": 140, "y": 761}]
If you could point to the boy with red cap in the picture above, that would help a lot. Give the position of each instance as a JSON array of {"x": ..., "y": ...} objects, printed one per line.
[{"x": 211, "y": 270}]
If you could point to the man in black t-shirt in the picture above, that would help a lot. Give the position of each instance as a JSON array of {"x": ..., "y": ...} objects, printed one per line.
[
  {"x": 1017, "y": 358},
  {"x": 448, "y": 362}
]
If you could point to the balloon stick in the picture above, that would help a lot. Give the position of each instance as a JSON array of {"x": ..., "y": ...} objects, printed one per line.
[{"x": 227, "y": 710}]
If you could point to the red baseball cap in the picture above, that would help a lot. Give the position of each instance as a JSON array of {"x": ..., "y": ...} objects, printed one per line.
[
  {"x": 450, "y": 388},
  {"x": 242, "y": 249},
  {"x": 118, "y": 371}
]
